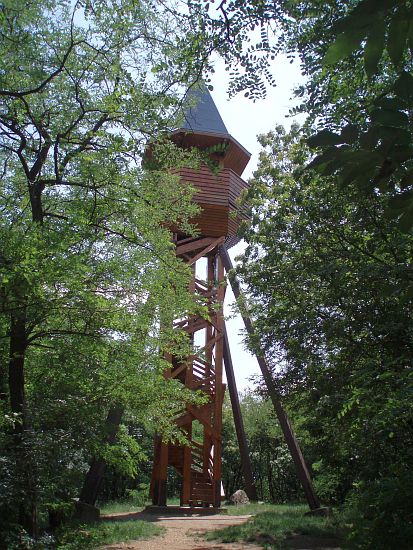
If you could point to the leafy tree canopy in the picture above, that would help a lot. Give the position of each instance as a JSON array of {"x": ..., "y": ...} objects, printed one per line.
[
  {"x": 329, "y": 281},
  {"x": 90, "y": 281}
]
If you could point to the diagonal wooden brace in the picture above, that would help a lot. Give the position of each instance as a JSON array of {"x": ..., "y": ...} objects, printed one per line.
[{"x": 290, "y": 438}]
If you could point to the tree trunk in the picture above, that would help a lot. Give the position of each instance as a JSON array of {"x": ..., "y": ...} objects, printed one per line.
[
  {"x": 24, "y": 463},
  {"x": 94, "y": 477},
  {"x": 36, "y": 203},
  {"x": 18, "y": 345}
]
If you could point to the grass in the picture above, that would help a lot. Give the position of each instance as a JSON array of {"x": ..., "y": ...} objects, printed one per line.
[
  {"x": 273, "y": 525},
  {"x": 95, "y": 535}
]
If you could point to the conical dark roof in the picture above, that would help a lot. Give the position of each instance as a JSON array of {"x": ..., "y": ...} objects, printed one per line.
[
  {"x": 201, "y": 113},
  {"x": 203, "y": 128}
]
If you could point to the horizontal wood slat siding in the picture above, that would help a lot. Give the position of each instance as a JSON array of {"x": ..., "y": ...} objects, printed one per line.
[
  {"x": 213, "y": 220},
  {"x": 222, "y": 188},
  {"x": 217, "y": 195},
  {"x": 210, "y": 187}
]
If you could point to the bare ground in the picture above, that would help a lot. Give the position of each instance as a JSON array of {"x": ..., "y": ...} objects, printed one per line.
[{"x": 182, "y": 533}]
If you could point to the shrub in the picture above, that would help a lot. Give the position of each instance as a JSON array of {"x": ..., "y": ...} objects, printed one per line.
[{"x": 381, "y": 514}]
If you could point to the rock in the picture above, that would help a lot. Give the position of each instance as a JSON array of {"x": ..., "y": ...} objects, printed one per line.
[{"x": 240, "y": 497}]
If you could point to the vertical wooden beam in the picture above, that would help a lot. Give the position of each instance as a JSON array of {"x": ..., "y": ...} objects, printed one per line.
[
  {"x": 250, "y": 488},
  {"x": 201, "y": 470},
  {"x": 208, "y": 331},
  {"x": 186, "y": 469},
  {"x": 219, "y": 387},
  {"x": 290, "y": 438},
  {"x": 163, "y": 475}
]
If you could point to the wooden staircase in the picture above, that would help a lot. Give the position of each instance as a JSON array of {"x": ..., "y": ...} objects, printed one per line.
[
  {"x": 199, "y": 462},
  {"x": 201, "y": 489}
]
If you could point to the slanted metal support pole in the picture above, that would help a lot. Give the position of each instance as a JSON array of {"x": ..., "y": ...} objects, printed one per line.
[
  {"x": 290, "y": 438},
  {"x": 250, "y": 488}
]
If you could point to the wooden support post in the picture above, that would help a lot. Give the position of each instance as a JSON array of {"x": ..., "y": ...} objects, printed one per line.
[
  {"x": 290, "y": 438},
  {"x": 219, "y": 386},
  {"x": 186, "y": 469},
  {"x": 250, "y": 488},
  {"x": 163, "y": 475}
]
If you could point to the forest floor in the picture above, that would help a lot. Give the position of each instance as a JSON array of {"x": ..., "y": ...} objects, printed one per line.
[{"x": 190, "y": 533}]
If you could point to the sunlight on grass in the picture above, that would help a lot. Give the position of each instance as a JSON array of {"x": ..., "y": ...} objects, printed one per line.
[
  {"x": 119, "y": 507},
  {"x": 273, "y": 524}
]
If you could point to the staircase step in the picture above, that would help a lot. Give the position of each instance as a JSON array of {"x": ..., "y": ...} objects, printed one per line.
[
  {"x": 207, "y": 490},
  {"x": 202, "y": 497}
]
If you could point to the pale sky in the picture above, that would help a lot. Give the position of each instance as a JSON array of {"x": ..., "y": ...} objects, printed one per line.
[{"x": 244, "y": 121}]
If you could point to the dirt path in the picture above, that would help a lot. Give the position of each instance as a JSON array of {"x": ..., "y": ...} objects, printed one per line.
[{"x": 183, "y": 533}]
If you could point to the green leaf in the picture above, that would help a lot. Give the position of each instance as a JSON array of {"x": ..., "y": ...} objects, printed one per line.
[
  {"x": 389, "y": 117},
  {"x": 349, "y": 174},
  {"x": 388, "y": 290},
  {"x": 324, "y": 139},
  {"x": 320, "y": 161},
  {"x": 369, "y": 139},
  {"x": 397, "y": 136},
  {"x": 408, "y": 294},
  {"x": 407, "y": 180},
  {"x": 361, "y": 167},
  {"x": 373, "y": 50},
  {"x": 361, "y": 16},
  {"x": 406, "y": 221},
  {"x": 402, "y": 201},
  {"x": 396, "y": 40},
  {"x": 350, "y": 134},
  {"x": 410, "y": 36},
  {"x": 402, "y": 205},
  {"x": 395, "y": 103},
  {"x": 368, "y": 8},
  {"x": 344, "y": 45},
  {"x": 403, "y": 87}
]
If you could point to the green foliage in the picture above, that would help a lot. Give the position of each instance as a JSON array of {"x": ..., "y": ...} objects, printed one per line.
[
  {"x": 380, "y": 513},
  {"x": 328, "y": 276},
  {"x": 134, "y": 500},
  {"x": 124, "y": 456},
  {"x": 89, "y": 279},
  {"x": 379, "y": 158},
  {"x": 384, "y": 25}
]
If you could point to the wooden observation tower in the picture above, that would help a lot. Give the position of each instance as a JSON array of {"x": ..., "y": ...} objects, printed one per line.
[
  {"x": 216, "y": 193},
  {"x": 199, "y": 463}
]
